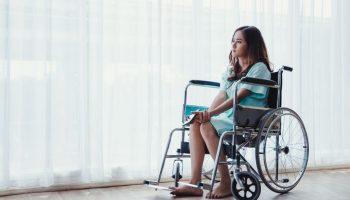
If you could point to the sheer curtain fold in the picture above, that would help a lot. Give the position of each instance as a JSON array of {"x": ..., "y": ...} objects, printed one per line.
[{"x": 90, "y": 89}]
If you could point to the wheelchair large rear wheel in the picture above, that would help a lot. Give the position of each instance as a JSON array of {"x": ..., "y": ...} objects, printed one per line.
[{"x": 282, "y": 150}]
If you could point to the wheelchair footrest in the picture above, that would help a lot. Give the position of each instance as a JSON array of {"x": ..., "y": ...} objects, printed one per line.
[
  {"x": 155, "y": 185},
  {"x": 148, "y": 182},
  {"x": 204, "y": 186},
  {"x": 191, "y": 185}
]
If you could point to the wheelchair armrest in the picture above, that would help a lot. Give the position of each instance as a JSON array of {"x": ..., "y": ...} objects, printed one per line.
[
  {"x": 205, "y": 83},
  {"x": 258, "y": 81}
]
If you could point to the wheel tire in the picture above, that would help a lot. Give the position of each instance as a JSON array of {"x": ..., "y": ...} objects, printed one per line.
[{"x": 252, "y": 187}]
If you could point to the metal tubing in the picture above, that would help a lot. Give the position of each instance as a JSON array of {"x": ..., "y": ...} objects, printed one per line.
[
  {"x": 279, "y": 91},
  {"x": 188, "y": 184},
  {"x": 277, "y": 154},
  {"x": 185, "y": 103},
  {"x": 238, "y": 180},
  {"x": 183, "y": 113}
]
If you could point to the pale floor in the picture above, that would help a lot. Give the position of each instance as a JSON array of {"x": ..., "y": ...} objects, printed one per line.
[{"x": 320, "y": 185}]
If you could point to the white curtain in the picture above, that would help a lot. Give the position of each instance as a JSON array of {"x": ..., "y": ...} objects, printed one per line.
[{"x": 89, "y": 89}]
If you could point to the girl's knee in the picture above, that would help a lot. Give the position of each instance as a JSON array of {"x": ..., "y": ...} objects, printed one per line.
[
  {"x": 207, "y": 129},
  {"x": 195, "y": 125},
  {"x": 205, "y": 126},
  {"x": 195, "y": 128}
]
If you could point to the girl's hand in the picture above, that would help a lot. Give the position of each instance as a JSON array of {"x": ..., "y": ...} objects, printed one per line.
[
  {"x": 206, "y": 116},
  {"x": 202, "y": 116},
  {"x": 199, "y": 116}
]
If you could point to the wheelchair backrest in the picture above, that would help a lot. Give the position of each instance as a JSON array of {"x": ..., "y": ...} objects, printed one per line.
[{"x": 273, "y": 92}]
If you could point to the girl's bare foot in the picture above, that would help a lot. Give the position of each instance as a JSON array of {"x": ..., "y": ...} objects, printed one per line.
[
  {"x": 186, "y": 191},
  {"x": 222, "y": 191}
]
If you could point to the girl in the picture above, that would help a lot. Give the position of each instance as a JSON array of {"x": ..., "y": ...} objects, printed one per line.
[{"x": 248, "y": 57}]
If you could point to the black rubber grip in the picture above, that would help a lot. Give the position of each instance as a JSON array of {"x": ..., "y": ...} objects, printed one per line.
[
  {"x": 206, "y": 83},
  {"x": 258, "y": 81},
  {"x": 287, "y": 68}
]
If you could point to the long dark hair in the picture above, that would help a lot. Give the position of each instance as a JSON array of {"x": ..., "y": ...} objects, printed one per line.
[{"x": 257, "y": 51}]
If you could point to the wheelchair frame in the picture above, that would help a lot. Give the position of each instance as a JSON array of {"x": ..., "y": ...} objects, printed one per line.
[{"x": 249, "y": 134}]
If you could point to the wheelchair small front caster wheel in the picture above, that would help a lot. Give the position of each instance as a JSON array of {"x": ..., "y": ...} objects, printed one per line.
[
  {"x": 176, "y": 174},
  {"x": 252, "y": 187}
]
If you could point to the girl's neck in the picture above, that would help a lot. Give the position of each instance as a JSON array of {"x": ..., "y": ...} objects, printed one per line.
[{"x": 244, "y": 63}]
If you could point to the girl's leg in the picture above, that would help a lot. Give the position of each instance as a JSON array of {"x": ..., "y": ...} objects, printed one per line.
[
  {"x": 197, "y": 150},
  {"x": 212, "y": 141}
]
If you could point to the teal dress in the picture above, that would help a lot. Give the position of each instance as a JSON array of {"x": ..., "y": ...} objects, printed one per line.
[{"x": 258, "y": 97}]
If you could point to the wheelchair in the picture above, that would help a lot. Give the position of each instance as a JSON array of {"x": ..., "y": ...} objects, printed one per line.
[{"x": 276, "y": 134}]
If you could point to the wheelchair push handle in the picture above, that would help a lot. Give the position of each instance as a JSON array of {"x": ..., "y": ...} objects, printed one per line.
[
  {"x": 205, "y": 83},
  {"x": 287, "y": 68}
]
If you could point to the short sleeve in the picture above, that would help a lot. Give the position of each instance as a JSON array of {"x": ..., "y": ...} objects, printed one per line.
[{"x": 258, "y": 70}]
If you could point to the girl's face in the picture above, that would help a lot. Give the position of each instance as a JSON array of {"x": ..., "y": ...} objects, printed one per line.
[{"x": 239, "y": 45}]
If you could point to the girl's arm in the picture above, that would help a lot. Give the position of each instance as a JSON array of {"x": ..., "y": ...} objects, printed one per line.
[
  {"x": 241, "y": 94},
  {"x": 219, "y": 99}
]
